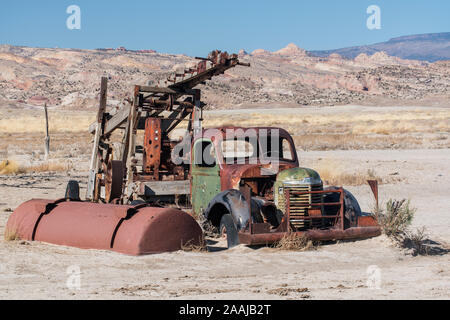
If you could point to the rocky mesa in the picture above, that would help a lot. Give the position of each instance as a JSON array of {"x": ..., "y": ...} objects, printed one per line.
[{"x": 69, "y": 78}]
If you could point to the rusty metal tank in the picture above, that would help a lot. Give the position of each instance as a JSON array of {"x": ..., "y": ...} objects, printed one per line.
[{"x": 133, "y": 230}]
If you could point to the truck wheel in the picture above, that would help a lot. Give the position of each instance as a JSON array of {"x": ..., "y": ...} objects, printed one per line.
[
  {"x": 72, "y": 191},
  {"x": 352, "y": 209},
  {"x": 228, "y": 229}
]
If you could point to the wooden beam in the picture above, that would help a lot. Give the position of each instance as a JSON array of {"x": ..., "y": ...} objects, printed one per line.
[
  {"x": 120, "y": 117},
  {"x": 114, "y": 122},
  {"x": 94, "y": 165},
  {"x": 149, "y": 89},
  {"x": 103, "y": 95}
]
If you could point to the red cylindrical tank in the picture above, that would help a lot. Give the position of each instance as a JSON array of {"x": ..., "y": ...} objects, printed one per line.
[{"x": 126, "y": 229}]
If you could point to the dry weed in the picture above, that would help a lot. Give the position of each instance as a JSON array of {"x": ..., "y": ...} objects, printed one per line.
[
  {"x": 9, "y": 167},
  {"x": 293, "y": 242},
  {"x": 47, "y": 167},
  {"x": 395, "y": 221},
  {"x": 58, "y": 122},
  {"x": 362, "y": 123},
  {"x": 396, "y": 218},
  {"x": 332, "y": 173},
  {"x": 286, "y": 291},
  {"x": 191, "y": 247},
  {"x": 11, "y": 235},
  {"x": 416, "y": 240},
  {"x": 209, "y": 229}
]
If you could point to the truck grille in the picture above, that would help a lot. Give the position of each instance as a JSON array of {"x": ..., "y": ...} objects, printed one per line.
[{"x": 299, "y": 205}]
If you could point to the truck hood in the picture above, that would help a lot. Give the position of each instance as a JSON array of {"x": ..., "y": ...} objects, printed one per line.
[{"x": 232, "y": 174}]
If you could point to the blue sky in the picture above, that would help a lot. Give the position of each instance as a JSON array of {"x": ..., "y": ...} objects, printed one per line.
[{"x": 196, "y": 27}]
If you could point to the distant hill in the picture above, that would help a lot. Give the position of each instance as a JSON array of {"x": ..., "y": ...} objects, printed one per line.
[
  {"x": 290, "y": 76},
  {"x": 426, "y": 47}
]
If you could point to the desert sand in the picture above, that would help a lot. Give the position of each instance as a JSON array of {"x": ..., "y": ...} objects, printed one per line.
[{"x": 340, "y": 270}]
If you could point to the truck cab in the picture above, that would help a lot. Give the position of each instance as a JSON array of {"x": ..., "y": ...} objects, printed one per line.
[
  {"x": 233, "y": 157},
  {"x": 245, "y": 172}
]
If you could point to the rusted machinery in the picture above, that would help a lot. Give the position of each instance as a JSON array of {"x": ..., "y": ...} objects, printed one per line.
[
  {"x": 247, "y": 182},
  {"x": 110, "y": 219},
  {"x": 124, "y": 173}
]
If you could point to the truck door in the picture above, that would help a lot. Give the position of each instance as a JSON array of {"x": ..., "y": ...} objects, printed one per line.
[{"x": 205, "y": 175}]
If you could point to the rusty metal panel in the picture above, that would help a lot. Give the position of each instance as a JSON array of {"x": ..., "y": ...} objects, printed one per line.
[
  {"x": 260, "y": 228},
  {"x": 367, "y": 221},
  {"x": 317, "y": 235},
  {"x": 152, "y": 147},
  {"x": 374, "y": 186}
]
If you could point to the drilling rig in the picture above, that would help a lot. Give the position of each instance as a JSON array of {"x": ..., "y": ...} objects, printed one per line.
[{"x": 138, "y": 168}]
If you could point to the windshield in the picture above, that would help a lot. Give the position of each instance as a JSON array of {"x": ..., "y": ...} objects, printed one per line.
[{"x": 240, "y": 150}]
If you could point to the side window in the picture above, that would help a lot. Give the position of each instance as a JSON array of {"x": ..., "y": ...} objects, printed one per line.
[
  {"x": 281, "y": 149},
  {"x": 204, "y": 154},
  {"x": 287, "y": 153}
]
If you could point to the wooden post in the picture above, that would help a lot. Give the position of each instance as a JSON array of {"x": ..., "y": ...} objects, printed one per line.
[
  {"x": 94, "y": 166},
  {"x": 47, "y": 137}
]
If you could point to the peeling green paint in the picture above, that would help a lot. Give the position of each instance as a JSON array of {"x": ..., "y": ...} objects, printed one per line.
[
  {"x": 293, "y": 175},
  {"x": 205, "y": 182},
  {"x": 297, "y": 174}
]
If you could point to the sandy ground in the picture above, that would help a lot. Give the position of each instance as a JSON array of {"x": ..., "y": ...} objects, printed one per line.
[{"x": 333, "y": 271}]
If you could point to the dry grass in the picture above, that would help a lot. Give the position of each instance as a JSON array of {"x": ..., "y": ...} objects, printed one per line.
[
  {"x": 312, "y": 129},
  {"x": 284, "y": 291},
  {"x": 33, "y": 122},
  {"x": 344, "y": 130},
  {"x": 11, "y": 235},
  {"x": 293, "y": 242},
  {"x": 191, "y": 247},
  {"x": 349, "y": 141},
  {"x": 381, "y": 122},
  {"x": 9, "y": 167},
  {"x": 209, "y": 230},
  {"x": 48, "y": 167},
  {"x": 333, "y": 172}
]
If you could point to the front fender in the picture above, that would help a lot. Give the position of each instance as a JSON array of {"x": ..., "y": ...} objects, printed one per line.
[{"x": 230, "y": 201}]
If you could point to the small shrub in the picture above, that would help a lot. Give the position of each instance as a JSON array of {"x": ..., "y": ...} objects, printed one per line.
[
  {"x": 395, "y": 222},
  {"x": 397, "y": 217}
]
